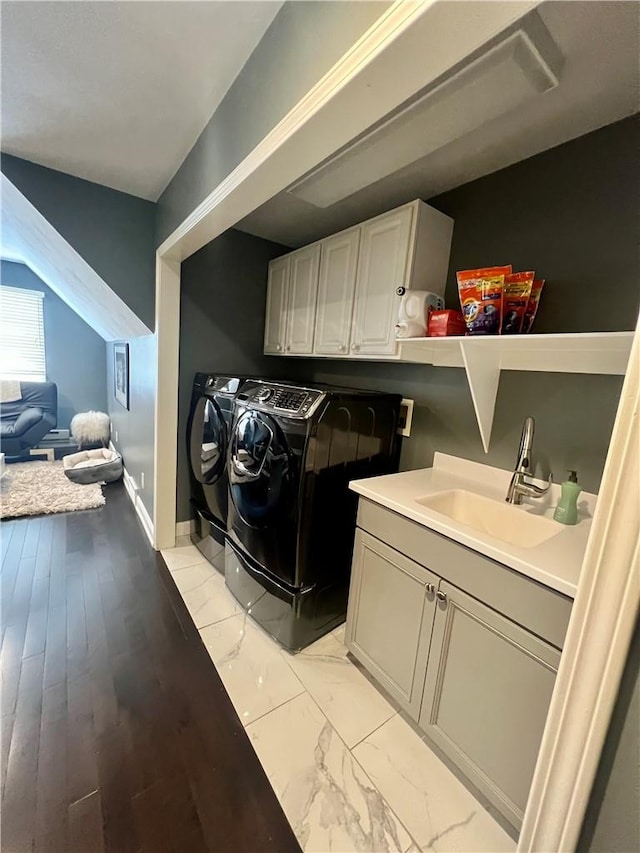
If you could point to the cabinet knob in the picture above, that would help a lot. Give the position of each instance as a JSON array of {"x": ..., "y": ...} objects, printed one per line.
[
  {"x": 400, "y": 291},
  {"x": 430, "y": 588},
  {"x": 356, "y": 347},
  {"x": 287, "y": 349},
  {"x": 278, "y": 347},
  {"x": 441, "y": 596},
  {"x": 342, "y": 348}
]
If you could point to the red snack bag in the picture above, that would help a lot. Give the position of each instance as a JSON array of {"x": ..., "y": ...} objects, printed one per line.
[
  {"x": 480, "y": 294},
  {"x": 532, "y": 304},
  {"x": 515, "y": 298}
]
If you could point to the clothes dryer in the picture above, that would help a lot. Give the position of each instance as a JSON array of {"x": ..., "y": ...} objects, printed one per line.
[{"x": 208, "y": 429}]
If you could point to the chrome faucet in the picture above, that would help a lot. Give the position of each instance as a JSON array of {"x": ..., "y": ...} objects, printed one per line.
[{"x": 518, "y": 487}]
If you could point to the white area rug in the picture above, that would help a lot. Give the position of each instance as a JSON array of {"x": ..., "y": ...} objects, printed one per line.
[{"x": 41, "y": 488}]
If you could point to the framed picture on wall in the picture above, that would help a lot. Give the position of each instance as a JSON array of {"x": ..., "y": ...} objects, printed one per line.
[{"x": 121, "y": 374}]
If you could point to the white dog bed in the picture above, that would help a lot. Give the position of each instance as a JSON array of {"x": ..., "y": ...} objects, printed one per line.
[
  {"x": 90, "y": 428},
  {"x": 93, "y": 466}
]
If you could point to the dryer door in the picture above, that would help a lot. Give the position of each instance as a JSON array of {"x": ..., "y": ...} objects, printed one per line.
[
  {"x": 208, "y": 442},
  {"x": 261, "y": 470}
]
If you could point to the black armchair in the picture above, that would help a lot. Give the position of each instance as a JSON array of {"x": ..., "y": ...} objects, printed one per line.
[{"x": 24, "y": 422}]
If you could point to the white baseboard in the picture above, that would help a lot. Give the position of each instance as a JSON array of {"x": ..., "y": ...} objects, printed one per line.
[
  {"x": 128, "y": 484},
  {"x": 184, "y": 528},
  {"x": 138, "y": 505}
]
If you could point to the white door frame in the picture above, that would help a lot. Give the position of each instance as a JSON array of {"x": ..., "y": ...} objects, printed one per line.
[
  {"x": 602, "y": 622},
  {"x": 334, "y": 111}
]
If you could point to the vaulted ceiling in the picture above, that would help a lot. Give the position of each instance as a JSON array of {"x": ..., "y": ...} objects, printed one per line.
[{"x": 118, "y": 92}]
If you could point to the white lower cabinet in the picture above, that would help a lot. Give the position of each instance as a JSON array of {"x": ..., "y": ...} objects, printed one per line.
[
  {"x": 391, "y": 611},
  {"x": 486, "y": 697},
  {"x": 477, "y": 682}
]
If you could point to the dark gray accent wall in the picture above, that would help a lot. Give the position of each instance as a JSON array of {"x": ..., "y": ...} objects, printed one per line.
[
  {"x": 222, "y": 307},
  {"x": 75, "y": 354},
  {"x": 114, "y": 233},
  {"x": 111, "y": 230},
  {"x": 572, "y": 214},
  {"x": 300, "y": 46},
  {"x": 612, "y": 821}
]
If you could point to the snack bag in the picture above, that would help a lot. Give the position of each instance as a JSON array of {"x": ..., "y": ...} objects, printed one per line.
[
  {"x": 480, "y": 294},
  {"x": 532, "y": 304},
  {"x": 515, "y": 298}
]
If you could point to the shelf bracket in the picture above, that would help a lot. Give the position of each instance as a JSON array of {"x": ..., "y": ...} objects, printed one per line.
[
  {"x": 482, "y": 365},
  {"x": 484, "y": 357}
]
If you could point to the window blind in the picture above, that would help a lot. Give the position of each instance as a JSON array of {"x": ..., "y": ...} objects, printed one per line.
[{"x": 22, "y": 354}]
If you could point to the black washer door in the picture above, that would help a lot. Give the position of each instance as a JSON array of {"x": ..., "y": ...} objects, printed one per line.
[
  {"x": 208, "y": 442},
  {"x": 260, "y": 470}
]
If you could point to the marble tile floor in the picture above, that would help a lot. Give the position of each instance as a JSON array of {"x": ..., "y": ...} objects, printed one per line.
[{"x": 350, "y": 773}]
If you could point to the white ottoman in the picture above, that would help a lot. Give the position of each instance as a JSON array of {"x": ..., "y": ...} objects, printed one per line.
[
  {"x": 93, "y": 466},
  {"x": 90, "y": 428}
]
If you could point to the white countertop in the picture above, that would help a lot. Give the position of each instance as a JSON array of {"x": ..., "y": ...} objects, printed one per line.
[{"x": 555, "y": 563}]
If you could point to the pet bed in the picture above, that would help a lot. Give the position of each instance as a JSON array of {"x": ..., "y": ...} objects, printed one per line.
[{"x": 93, "y": 466}]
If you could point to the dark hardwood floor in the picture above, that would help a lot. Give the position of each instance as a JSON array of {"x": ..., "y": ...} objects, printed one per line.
[{"x": 117, "y": 734}]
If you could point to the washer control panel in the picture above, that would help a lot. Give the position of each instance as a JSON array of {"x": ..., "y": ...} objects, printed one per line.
[
  {"x": 289, "y": 401},
  {"x": 263, "y": 395},
  {"x": 284, "y": 400}
]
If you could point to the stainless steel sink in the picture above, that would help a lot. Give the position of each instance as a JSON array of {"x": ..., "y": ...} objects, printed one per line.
[{"x": 512, "y": 524}]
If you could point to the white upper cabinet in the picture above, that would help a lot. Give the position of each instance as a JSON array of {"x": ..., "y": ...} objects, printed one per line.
[
  {"x": 303, "y": 293},
  {"x": 383, "y": 268},
  {"x": 347, "y": 288},
  {"x": 275, "y": 324},
  {"x": 336, "y": 289}
]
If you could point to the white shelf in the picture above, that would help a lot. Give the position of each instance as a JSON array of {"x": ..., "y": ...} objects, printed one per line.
[{"x": 484, "y": 357}]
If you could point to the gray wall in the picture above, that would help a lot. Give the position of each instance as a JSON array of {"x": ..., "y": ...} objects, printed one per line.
[
  {"x": 572, "y": 214},
  {"x": 612, "y": 822},
  {"x": 114, "y": 233},
  {"x": 75, "y": 354},
  {"x": 302, "y": 43},
  {"x": 135, "y": 427},
  {"x": 222, "y": 305}
]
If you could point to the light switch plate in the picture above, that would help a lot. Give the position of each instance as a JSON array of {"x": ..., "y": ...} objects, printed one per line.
[{"x": 406, "y": 416}]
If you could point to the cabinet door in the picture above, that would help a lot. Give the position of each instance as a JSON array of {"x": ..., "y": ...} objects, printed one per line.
[
  {"x": 336, "y": 288},
  {"x": 303, "y": 294},
  {"x": 486, "y": 697},
  {"x": 389, "y": 619},
  {"x": 277, "y": 297},
  {"x": 383, "y": 266}
]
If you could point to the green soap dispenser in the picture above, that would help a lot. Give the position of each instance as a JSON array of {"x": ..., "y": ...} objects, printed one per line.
[{"x": 567, "y": 509}]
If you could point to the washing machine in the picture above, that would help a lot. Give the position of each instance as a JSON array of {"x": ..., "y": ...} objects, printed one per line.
[
  {"x": 208, "y": 429},
  {"x": 291, "y": 519}
]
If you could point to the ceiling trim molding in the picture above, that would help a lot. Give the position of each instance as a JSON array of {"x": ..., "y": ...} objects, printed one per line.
[
  {"x": 396, "y": 21},
  {"x": 30, "y": 238}
]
